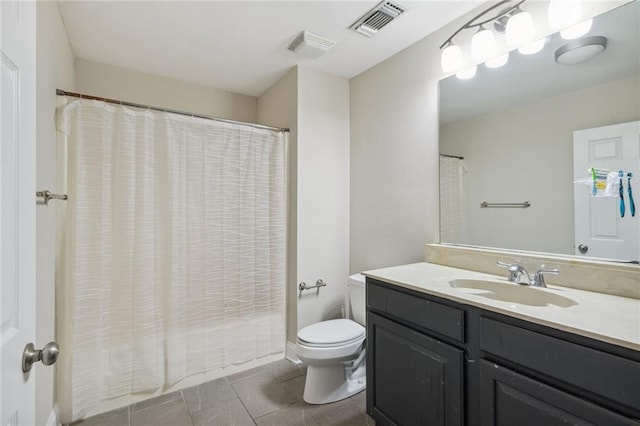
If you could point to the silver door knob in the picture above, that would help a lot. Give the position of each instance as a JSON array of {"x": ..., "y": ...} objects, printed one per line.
[
  {"x": 48, "y": 355},
  {"x": 583, "y": 248}
]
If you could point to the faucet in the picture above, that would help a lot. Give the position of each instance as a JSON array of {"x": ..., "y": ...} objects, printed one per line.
[
  {"x": 538, "y": 277},
  {"x": 519, "y": 275}
]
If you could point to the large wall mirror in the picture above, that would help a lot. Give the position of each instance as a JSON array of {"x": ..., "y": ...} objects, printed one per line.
[{"x": 513, "y": 134}]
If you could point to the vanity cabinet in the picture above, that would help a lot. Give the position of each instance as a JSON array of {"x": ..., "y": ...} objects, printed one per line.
[
  {"x": 432, "y": 361},
  {"x": 418, "y": 380},
  {"x": 509, "y": 398}
]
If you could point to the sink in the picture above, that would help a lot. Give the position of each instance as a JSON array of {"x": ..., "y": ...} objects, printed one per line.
[{"x": 510, "y": 292}]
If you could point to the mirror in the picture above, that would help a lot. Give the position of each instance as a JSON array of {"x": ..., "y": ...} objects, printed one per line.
[{"x": 513, "y": 129}]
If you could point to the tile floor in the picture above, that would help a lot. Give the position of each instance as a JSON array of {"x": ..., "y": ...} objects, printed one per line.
[{"x": 268, "y": 395}]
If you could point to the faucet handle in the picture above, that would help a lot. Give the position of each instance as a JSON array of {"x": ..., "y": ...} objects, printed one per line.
[
  {"x": 504, "y": 265},
  {"x": 515, "y": 271},
  {"x": 538, "y": 277}
]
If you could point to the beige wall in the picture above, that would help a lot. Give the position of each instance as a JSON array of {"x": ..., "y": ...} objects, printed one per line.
[
  {"x": 315, "y": 106},
  {"x": 394, "y": 152},
  {"x": 278, "y": 106},
  {"x": 54, "y": 70},
  {"x": 323, "y": 193},
  {"x": 533, "y": 162},
  {"x": 107, "y": 81},
  {"x": 394, "y": 158}
]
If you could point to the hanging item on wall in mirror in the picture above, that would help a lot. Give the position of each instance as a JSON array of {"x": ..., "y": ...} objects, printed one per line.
[
  {"x": 632, "y": 204},
  {"x": 602, "y": 182}
]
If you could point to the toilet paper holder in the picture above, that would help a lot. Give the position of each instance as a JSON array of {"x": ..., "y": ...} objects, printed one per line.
[{"x": 303, "y": 286}]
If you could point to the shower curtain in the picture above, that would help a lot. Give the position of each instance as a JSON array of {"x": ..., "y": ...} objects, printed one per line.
[
  {"x": 171, "y": 257},
  {"x": 452, "y": 223}
]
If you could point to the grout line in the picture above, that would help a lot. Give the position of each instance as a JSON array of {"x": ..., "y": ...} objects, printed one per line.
[{"x": 245, "y": 407}]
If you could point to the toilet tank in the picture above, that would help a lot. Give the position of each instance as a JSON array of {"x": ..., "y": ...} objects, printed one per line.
[{"x": 357, "y": 297}]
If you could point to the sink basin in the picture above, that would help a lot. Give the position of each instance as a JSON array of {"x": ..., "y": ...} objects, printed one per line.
[{"x": 511, "y": 292}]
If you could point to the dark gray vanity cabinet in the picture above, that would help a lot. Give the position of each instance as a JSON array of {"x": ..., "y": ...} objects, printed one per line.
[
  {"x": 509, "y": 398},
  {"x": 431, "y": 361},
  {"x": 424, "y": 386},
  {"x": 414, "y": 377}
]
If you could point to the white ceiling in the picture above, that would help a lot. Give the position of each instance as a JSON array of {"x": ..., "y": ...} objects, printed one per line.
[{"x": 241, "y": 46}]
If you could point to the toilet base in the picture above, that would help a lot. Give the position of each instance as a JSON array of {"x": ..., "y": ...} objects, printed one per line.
[{"x": 329, "y": 383}]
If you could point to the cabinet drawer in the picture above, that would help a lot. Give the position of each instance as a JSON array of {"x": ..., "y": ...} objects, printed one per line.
[
  {"x": 416, "y": 311},
  {"x": 599, "y": 373}
]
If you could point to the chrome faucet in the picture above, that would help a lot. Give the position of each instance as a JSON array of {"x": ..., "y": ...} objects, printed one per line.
[
  {"x": 538, "y": 277},
  {"x": 519, "y": 275}
]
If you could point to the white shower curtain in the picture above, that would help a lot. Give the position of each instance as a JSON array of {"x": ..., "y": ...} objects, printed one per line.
[
  {"x": 452, "y": 217},
  {"x": 172, "y": 255}
]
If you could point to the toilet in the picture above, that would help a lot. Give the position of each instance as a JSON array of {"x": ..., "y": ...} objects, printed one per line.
[{"x": 334, "y": 352}]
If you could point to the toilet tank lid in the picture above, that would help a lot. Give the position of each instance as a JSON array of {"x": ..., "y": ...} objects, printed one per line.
[
  {"x": 357, "y": 279},
  {"x": 331, "y": 332}
]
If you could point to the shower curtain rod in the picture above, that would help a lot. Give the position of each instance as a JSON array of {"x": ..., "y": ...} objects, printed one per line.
[
  {"x": 451, "y": 156},
  {"x": 173, "y": 111}
]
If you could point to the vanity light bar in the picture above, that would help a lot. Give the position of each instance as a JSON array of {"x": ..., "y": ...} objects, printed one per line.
[{"x": 509, "y": 19}]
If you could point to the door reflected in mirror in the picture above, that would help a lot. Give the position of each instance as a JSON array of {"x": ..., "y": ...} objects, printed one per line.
[{"x": 507, "y": 136}]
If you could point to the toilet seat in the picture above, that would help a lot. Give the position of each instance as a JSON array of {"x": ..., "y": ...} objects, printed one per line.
[{"x": 331, "y": 333}]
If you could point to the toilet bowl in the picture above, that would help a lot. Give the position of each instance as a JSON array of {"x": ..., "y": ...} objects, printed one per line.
[{"x": 334, "y": 352}]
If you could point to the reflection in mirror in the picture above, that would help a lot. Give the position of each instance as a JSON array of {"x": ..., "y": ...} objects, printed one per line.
[{"x": 525, "y": 132}]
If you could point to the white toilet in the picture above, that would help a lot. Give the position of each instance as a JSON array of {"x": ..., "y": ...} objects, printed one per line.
[{"x": 334, "y": 352}]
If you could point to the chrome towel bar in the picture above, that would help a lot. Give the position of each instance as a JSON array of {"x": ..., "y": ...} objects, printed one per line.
[
  {"x": 48, "y": 196},
  {"x": 303, "y": 286},
  {"x": 523, "y": 205}
]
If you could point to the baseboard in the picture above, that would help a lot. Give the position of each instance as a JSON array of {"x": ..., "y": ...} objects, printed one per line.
[
  {"x": 290, "y": 353},
  {"x": 54, "y": 417}
]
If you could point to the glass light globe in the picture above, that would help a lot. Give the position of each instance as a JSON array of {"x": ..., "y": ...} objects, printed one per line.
[
  {"x": 467, "y": 73},
  {"x": 451, "y": 58},
  {"x": 577, "y": 30},
  {"x": 483, "y": 45},
  {"x": 531, "y": 48},
  {"x": 498, "y": 61},
  {"x": 563, "y": 13},
  {"x": 519, "y": 29}
]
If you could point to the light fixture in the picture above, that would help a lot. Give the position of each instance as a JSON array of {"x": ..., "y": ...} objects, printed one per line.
[
  {"x": 564, "y": 13},
  {"x": 519, "y": 28},
  {"x": 577, "y": 30},
  {"x": 484, "y": 47},
  {"x": 451, "y": 59},
  {"x": 509, "y": 18},
  {"x": 580, "y": 50},
  {"x": 531, "y": 48},
  {"x": 483, "y": 44},
  {"x": 498, "y": 61},
  {"x": 467, "y": 73}
]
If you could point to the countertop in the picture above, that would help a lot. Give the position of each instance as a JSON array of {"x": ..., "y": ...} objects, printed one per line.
[{"x": 611, "y": 319}]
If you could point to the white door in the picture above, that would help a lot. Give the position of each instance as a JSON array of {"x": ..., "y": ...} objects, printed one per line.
[
  {"x": 17, "y": 208},
  {"x": 600, "y": 231}
]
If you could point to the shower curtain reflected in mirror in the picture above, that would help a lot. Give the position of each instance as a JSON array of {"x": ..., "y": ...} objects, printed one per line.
[
  {"x": 171, "y": 257},
  {"x": 452, "y": 228}
]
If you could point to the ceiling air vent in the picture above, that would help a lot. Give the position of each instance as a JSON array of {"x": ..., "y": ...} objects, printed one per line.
[
  {"x": 377, "y": 18},
  {"x": 310, "y": 45}
]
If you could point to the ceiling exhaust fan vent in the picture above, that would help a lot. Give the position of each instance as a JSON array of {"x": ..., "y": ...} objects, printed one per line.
[
  {"x": 377, "y": 18},
  {"x": 310, "y": 45}
]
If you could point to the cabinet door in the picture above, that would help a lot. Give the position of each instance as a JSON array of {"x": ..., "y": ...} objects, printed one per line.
[
  {"x": 508, "y": 398},
  {"x": 413, "y": 379}
]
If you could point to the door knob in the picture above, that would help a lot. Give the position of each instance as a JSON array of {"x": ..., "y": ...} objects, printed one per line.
[
  {"x": 48, "y": 355},
  {"x": 583, "y": 248}
]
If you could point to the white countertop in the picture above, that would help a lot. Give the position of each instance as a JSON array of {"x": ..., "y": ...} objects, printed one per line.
[{"x": 611, "y": 319}]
